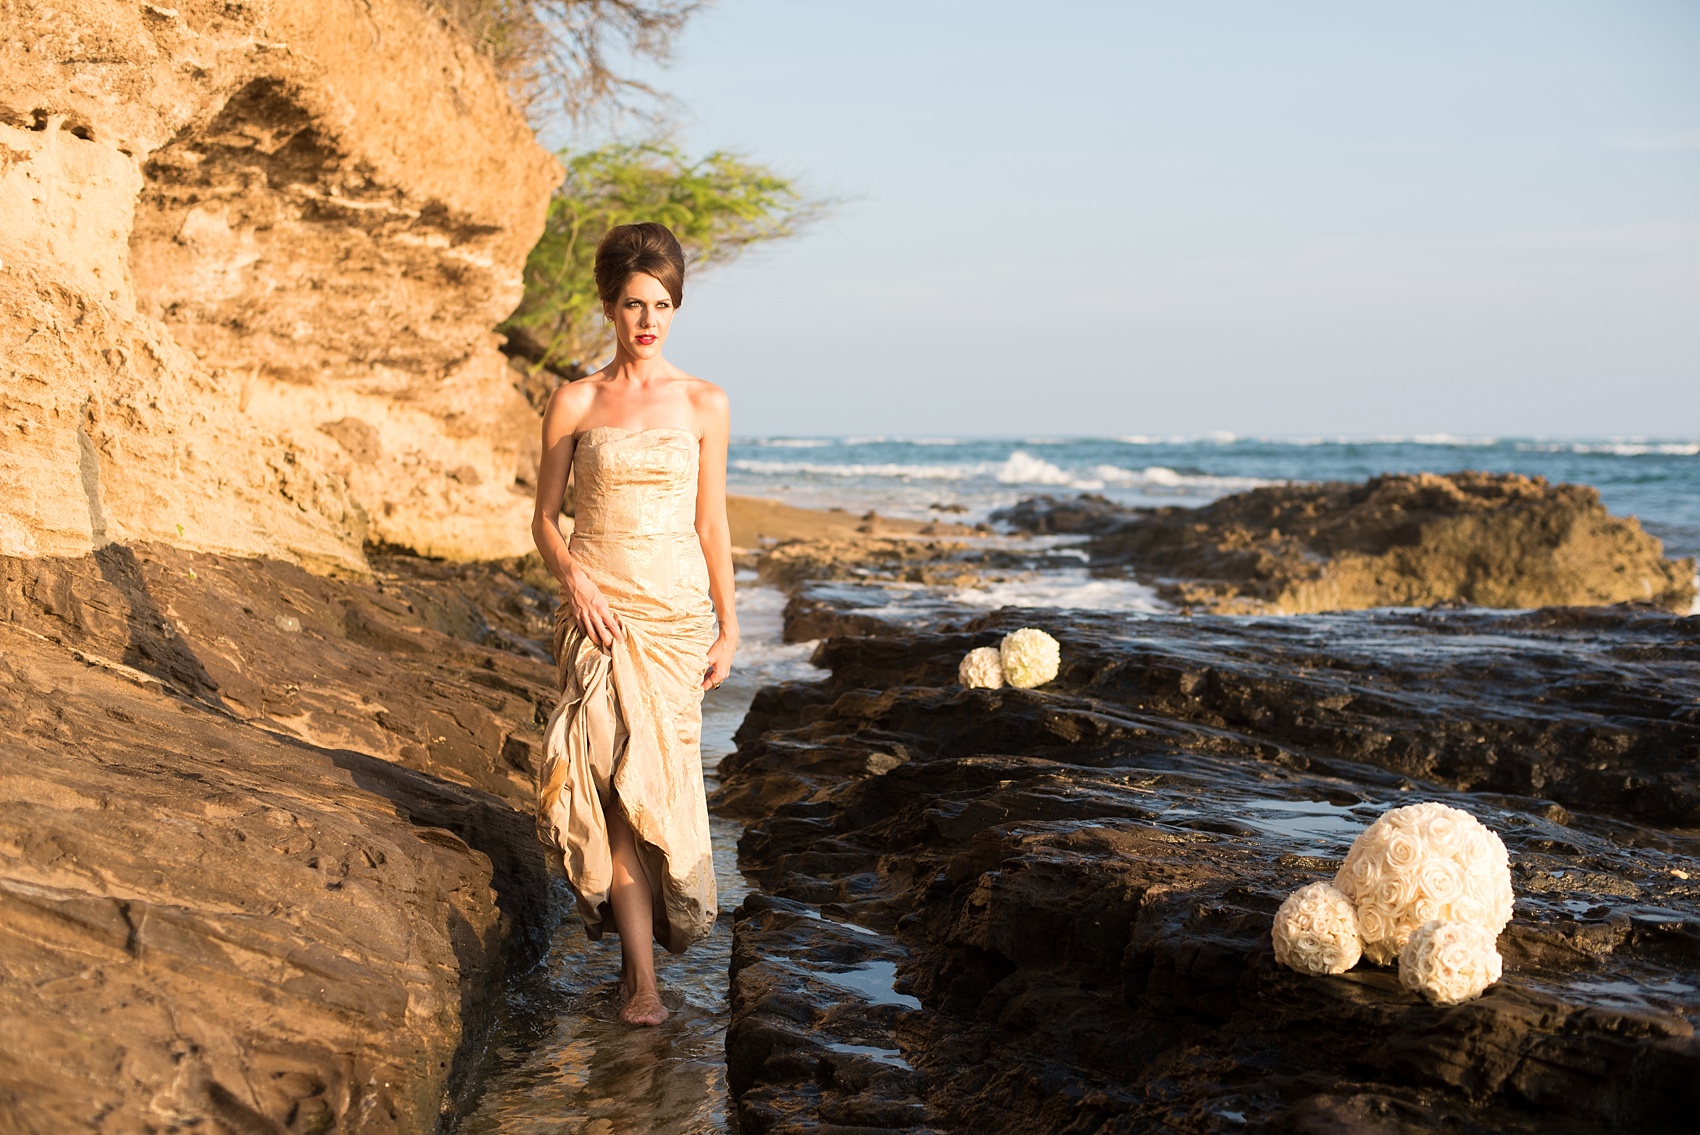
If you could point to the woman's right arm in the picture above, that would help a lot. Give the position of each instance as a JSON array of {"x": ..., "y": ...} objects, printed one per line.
[{"x": 590, "y": 609}]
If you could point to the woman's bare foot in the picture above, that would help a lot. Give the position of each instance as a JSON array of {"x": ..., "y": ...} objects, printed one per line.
[{"x": 643, "y": 1009}]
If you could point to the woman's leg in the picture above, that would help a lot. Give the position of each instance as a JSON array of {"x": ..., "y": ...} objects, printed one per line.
[{"x": 634, "y": 918}]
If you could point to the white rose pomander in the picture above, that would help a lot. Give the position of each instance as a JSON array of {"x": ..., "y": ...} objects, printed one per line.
[
  {"x": 1449, "y": 962},
  {"x": 1420, "y": 863},
  {"x": 1030, "y": 657},
  {"x": 981, "y": 667},
  {"x": 1316, "y": 931}
]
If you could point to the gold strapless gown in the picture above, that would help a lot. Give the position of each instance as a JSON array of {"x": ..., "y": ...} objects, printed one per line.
[{"x": 629, "y": 722}]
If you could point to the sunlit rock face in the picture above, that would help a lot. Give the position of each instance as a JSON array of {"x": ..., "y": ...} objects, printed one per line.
[
  {"x": 264, "y": 856},
  {"x": 252, "y": 259},
  {"x": 1397, "y": 540}
]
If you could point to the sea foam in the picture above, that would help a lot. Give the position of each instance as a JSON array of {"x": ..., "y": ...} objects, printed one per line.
[
  {"x": 1630, "y": 448},
  {"x": 899, "y": 470},
  {"x": 1022, "y": 468},
  {"x": 1065, "y": 588},
  {"x": 1019, "y": 468}
]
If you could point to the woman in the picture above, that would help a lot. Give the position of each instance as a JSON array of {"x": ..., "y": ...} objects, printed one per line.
[{"x": 637, "y": 638}]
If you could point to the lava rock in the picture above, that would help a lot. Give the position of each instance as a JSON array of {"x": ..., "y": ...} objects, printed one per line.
[
  {"x": 1074, "y": 886},
  {"x": 1090, "y": 514}
]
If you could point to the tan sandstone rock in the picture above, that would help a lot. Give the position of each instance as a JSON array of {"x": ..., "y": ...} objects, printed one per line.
[
  {"x": 251, "y": 259},
  {"x": 264, "y": 858},
  {"x": 1402, "y": 539}
]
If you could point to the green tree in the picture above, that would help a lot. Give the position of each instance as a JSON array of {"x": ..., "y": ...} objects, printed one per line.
[{"x": 718, "y": 206}]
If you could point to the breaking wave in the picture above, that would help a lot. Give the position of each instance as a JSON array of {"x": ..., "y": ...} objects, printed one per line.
[{"x": 1019, "y": 468}]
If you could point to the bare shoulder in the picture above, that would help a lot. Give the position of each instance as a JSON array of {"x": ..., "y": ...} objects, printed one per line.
[
  {"x": 708, "y": 400},
  {"x": 570, "y": 403}
]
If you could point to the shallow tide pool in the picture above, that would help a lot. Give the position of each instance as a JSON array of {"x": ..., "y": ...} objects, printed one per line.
[{"x": 564, "y": 1064}]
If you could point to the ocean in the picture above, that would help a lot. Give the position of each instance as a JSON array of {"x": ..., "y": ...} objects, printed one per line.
[{"x": 1654, "y": 479}]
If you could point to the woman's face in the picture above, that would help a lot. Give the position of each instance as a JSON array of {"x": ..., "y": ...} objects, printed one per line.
[{"x": 641, "y": 316}]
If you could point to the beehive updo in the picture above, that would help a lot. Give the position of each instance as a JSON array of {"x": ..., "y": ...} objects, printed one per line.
[{"x": 647, "y": 247}]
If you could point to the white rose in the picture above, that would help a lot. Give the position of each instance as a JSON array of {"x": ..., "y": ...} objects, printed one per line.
[
  {"x": 1478, "y": 884},
  {"x": 1467, "y": 909},
  {"x": 1443, "y": 833},
  {"x": 1316, "y": 931},
  {"x": 1441, "y": 880},
  {"x": 1372, "y": 923},
  {"x": 1404, "y": 851},
  {"x": 1449, "y": 962},
  {"x": 1489, "y": 840},
  {"x": 1030, "y": 657},
  {"x": 1359, "y": 876},
  {"x": 1504, "y": 905},
  {"x": 1395, "y": 891},
  {"x": 981, "y": 667}
]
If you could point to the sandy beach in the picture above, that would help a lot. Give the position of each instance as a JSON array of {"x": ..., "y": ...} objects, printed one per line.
[{"x": 757, "y": 521}]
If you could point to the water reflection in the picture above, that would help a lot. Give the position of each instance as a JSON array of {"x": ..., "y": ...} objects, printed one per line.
[
  {"x": 873, "y": 982},
  {"x": 565, "y": 1064},
  {"x": 891, "y": 1056},
  {"x": 569, "y": 1065}
]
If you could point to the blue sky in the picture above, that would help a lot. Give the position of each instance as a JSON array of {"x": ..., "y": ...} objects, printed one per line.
[{"x": 1110, "y": 218}]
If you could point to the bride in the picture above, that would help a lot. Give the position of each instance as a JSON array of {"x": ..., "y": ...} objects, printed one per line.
[{"x": 646, "y": 620}]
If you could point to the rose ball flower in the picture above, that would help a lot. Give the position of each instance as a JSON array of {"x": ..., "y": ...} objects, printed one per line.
[
  {"x": 1030, "y": 657},
  {"x": 981, "y": 667},
  {"x": 1447, "y": 962},
  {"x": 1420, "y": 863},
  {"x": 1316, "y": 931}
]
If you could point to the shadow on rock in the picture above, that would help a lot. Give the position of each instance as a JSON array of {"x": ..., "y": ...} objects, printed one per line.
[{"x": 225, "y": 897}]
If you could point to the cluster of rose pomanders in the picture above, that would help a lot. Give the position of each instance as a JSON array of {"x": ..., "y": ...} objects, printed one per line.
[
  {"x": 1025, "y": 658},
  {"x": 1427, "y": 885}
]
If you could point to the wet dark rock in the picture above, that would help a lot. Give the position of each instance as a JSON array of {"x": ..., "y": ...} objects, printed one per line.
[
  {"x": 790, "y": 1007},
  {"x": 1075, "y": 884},
  {"x": 937, "y": 562},
  {"x": 267, "y": 853},
  {"x": 810, "y": 616},
  {"x": 1088, "y": 514},
  {"x": 1539, "y": 704}
]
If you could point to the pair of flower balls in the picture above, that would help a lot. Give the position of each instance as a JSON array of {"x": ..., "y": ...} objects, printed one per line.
[
  {"x": 1427, "y": 885},
  {"x": 1025, "y": 658}
]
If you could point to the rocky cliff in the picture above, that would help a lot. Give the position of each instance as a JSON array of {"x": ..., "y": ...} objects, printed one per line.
[
  {"x": 266, "y": 855},
  {"x": 252, "y": 257}
]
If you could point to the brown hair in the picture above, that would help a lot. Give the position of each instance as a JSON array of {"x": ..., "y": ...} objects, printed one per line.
[{"x": 647, "y": 247}]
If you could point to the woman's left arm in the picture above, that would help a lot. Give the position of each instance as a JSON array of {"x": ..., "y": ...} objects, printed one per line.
[{"x": 714, "y": 412}]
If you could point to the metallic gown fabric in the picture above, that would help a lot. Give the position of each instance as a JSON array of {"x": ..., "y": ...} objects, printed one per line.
[{"x": 629, "y": 721}]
